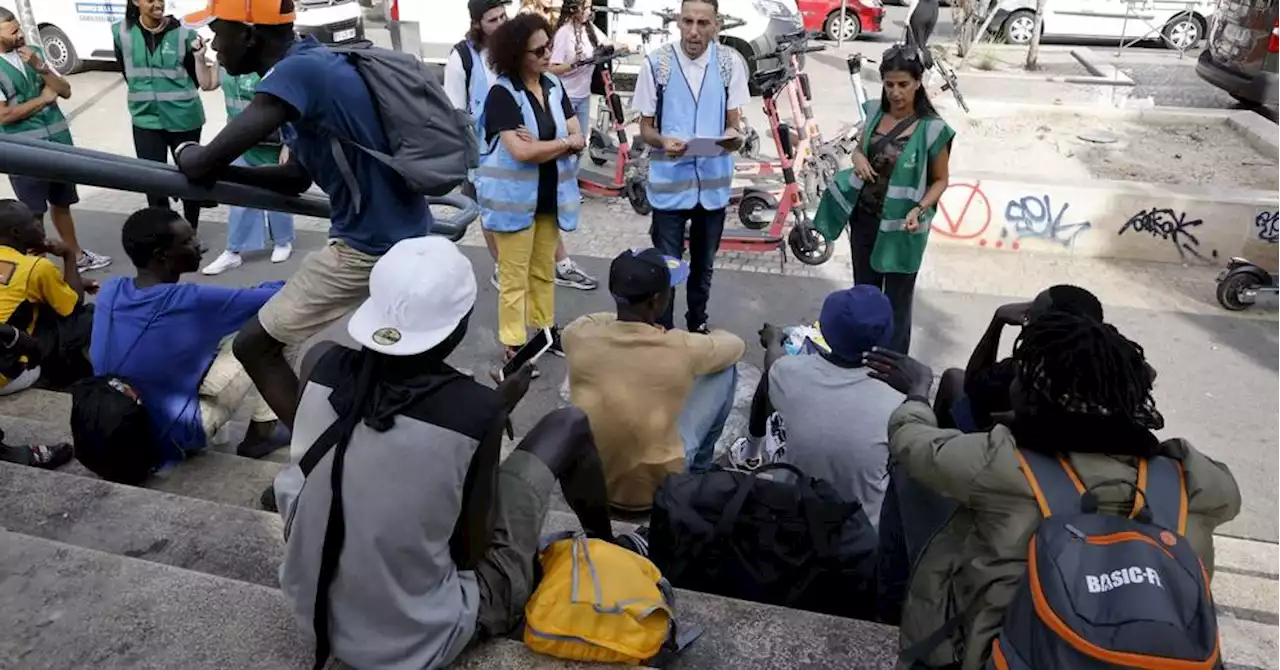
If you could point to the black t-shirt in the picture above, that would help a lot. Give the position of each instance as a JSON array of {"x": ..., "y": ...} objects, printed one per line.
[{"x": 501, "y": 113}]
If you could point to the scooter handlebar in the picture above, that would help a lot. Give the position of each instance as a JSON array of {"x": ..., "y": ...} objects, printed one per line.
[
  {"x": 813, "y": 48},
  {"x": 617, "y": 10},
  {"x": 788, "y": 38}
]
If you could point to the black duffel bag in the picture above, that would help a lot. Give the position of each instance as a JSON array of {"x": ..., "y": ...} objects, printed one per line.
[{"x": 790, "y": 543}]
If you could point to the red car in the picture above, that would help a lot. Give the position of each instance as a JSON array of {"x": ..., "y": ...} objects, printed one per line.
[{"x": 823, "y": 17}]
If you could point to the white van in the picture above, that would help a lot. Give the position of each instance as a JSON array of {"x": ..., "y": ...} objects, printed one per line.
[
  {"x": 78, "y": 31},
  {"x": 440, "y": 24}
]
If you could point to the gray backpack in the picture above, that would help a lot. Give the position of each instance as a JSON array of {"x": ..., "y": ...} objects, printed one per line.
[
  {"x": 1109, "y": 591},
  {"x": 432, "y": 144}
]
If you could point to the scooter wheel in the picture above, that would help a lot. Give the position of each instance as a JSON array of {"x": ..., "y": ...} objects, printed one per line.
[
  {"x": 809, "y": 246},
  {"x": 638, "y": 198},
  {"x": 750, "y": 208},
  {"x": 596, "y": 149},
  {"x": 1232, "y": 288}
]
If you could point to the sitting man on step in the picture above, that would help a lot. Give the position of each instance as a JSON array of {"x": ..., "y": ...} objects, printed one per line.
[
  {"x": 421, "y": 543},
  {"x": 15, "y": 343},
  {"x": 657, "y": 398},
  {"x": 172, "y": 341}
]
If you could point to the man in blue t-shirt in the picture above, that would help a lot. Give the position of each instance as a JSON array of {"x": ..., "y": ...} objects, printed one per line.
[
  {"x": 171, "y": 341},
  {"x": 311, "y": 94}
]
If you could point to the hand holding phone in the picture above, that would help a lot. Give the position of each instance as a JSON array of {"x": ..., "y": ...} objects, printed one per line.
[{"x": 529, "y": 353}]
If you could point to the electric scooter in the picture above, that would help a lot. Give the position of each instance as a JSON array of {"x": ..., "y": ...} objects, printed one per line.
[
  {"x": 1240, "y": 283},
  {"x": 805, "y": 241},
  {"x": 630, "y": 172}
]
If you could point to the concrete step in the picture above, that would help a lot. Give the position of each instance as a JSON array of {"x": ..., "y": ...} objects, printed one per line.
[
  {"x": 244, "y": 544},
  {"x": 70, "y": 607}
]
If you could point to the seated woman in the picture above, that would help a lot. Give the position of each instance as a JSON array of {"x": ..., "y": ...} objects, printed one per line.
[
  {"x": 527, "y": 183},
  {"x": 1081, "y": 390}
]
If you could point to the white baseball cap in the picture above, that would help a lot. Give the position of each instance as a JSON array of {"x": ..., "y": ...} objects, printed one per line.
[{"x": 419, "y": 292}]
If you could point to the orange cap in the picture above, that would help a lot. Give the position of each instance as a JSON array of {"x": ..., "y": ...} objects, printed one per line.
[{"x": 253, "y": 12}]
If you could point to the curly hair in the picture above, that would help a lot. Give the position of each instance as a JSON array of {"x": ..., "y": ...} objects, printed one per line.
[{"x": 510, "y": 43}]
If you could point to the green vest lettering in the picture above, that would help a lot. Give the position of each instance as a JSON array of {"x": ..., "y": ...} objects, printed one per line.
[
  {"x": 21, "y": 86},
  {"x": 162, "y": 95}
]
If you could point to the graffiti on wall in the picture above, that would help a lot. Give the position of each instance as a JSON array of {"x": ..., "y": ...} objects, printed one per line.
[
  {"x": 1033, "y": 217},
  {"x": 965, "y": 212},
  {"x": 1171, "y": 226},
  {"x": 1265, "y": 224}
]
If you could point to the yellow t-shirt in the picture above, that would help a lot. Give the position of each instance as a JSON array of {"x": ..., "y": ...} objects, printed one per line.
[
  {"x": 632, "y": 379},
  {"x": 31, "y": 279}
]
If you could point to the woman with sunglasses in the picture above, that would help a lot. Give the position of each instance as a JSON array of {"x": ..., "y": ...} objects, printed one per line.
[
  {"x": 900, "y": 170},
  {"x": 527, "y": 184}
]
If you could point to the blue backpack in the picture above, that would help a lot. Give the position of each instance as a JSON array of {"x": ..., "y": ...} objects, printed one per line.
[{"x": 1107, "y": 591}]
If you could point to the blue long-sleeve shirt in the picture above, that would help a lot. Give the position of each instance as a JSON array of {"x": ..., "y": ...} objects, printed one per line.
[{"x": 162, "y": 340}]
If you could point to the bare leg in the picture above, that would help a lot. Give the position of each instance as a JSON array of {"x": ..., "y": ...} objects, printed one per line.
[
  {"x": 66, "y": 227},
  {"x": 560, "y": 252},
  {"x": 492, "y": 244},
  {"x": 263, "y": 358},
  {"x": 562, "y": 440}
]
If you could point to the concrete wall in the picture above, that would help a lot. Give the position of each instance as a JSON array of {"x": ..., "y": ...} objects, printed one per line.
[{"x": 1109, "y": 219}]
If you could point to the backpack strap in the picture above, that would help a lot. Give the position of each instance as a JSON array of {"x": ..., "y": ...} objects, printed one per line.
[
  {"x": 464, "y": 54},
  {"x": 1164, "y": 483},
  {"x": 1053, "y": 482}
]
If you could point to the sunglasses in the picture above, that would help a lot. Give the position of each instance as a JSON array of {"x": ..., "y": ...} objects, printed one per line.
[{"x": 540, "y": 51}]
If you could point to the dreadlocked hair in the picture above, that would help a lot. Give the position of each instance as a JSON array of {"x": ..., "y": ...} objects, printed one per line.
[{"x": 1082, "y": 366}]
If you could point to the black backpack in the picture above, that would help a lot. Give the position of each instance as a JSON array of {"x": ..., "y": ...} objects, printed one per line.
[
  {"x": 1108, "y": 591},
  {"x": 793, "y": 544},
  {"x": 110, "y": 428}
]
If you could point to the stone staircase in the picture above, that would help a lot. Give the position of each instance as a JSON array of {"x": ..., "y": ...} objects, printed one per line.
[{"x": 183, "y": 574}]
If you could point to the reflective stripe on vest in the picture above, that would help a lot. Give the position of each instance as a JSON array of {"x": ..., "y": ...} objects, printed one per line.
[
  {"x": 161, "y": 95},
  {"x": 507, "y": 190},
  {"x": 905, "y": 197},
  {"x": 46, "y": 124},
  {"x": 684, "y": 183}
]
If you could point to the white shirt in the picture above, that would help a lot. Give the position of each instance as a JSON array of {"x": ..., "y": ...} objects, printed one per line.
[
  {"x": 645, "y": 100},
  {"x": 455, "y": 79}
]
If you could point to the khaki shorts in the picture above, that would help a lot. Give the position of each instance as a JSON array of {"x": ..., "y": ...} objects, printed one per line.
[{"x": 331, "y": 283}]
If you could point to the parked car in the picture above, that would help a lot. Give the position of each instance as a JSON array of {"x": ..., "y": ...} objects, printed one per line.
[
  {"x": 1180, "y": 24},
  {"x": 75, "y": 32},
  {"x": 824, "y": 17},
  {"x": 1242, "y": 52}
]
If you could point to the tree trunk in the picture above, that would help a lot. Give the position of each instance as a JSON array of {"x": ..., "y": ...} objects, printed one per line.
[{"x": 1033, "y": 51}]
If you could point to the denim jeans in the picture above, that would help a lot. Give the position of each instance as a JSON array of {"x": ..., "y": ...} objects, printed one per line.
[
  {"x": 705, "y": 229},
  {"x": 704, "y": 415},
  {"x": 582, "y": 110},
  {"x": 247, "y": 228}
]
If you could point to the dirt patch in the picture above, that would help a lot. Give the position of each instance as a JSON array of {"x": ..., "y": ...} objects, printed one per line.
[
  {"x": 1048, "y": 145},
  {"x": 994, "y": 60}
]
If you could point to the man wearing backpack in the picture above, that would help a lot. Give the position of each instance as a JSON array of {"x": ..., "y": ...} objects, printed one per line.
[
  {"x": 1082, "y": 404},
  {"x": 467, "y": 79},
  {"x": 314, "y": 96},
  {"x": 693, "y": 89}
]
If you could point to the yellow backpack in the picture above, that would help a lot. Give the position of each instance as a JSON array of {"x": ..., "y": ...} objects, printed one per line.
[{"x": 598, "y": 602}]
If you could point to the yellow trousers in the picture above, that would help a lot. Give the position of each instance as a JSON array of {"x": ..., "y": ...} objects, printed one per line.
[{"x": 527, "y": 279}]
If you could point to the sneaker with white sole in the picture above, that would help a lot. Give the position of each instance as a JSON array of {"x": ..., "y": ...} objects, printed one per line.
[
  {"x": 569, "y": 274},
  {"x": 281, "y": 252},
  {"x": 89, "y": 261},
  {"x": 227, "y": 260}
]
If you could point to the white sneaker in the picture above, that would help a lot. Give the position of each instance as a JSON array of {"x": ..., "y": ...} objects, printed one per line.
[
  {"x": 227, "y": 260},
  {"x": 281, "y": 252},
  {"x": 89, "y": 261}
]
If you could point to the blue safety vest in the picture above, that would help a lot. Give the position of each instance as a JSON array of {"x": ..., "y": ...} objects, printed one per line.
[
  {"x": 507, "y": 190},
  {"x": 479, "y": 93},
  {"x": 684, "y": 183}
]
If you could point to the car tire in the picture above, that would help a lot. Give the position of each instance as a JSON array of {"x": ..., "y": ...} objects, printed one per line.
[
  {"x": 1020, "y": 27},
  {"x": 851, "y": 26},
  {"x": 59, "y": 52},
  {"x": 1183, "y": 32}
]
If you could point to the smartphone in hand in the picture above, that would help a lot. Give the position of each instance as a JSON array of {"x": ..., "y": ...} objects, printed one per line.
[{"x": 529, "y": 353}]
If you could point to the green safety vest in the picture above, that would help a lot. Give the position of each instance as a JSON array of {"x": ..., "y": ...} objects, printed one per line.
[
  {"x": 24, "y": 85},
  {"x": 161, "y": 93},
  {"x": 238, "y": 92}
]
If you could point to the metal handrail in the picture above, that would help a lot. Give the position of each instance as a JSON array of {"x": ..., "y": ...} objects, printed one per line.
[{"x": 53, "y": 161}]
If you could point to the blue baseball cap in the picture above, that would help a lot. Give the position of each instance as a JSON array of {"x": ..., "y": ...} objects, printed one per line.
[
  {"x": 855, "y": 320},
  {"x": 639, "y": 274}
]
